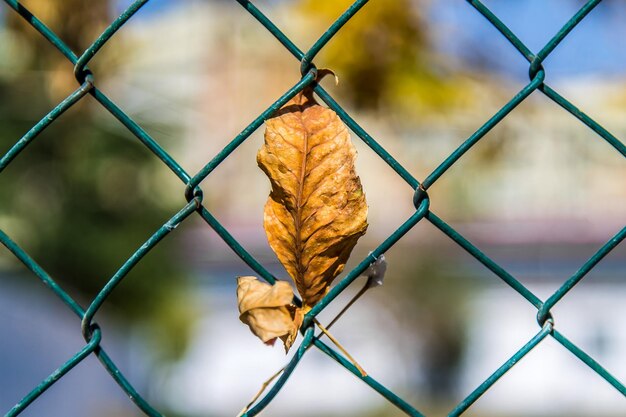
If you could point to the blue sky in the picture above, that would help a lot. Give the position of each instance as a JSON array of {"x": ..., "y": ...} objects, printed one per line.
[{"x": 594, "y": 47}]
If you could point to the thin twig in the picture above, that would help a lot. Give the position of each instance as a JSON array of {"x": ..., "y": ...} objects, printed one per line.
[
  {"x": 352, "y": 301},
  {"x": 258, "y": 394},
  {"x": 341, "y": 348}
]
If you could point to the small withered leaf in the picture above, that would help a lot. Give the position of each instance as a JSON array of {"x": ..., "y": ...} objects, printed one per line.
[
  {"x": 267, "y": 310},
  {"x": 316, "y": 210}
]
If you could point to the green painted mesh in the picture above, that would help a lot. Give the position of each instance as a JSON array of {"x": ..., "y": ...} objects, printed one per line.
[{"x": 92, "y": 332}]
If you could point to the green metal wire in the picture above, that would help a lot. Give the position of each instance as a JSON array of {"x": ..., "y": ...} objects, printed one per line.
[
  {"x": 592, "y": 363},
  {"x": 43, "y": 29},
  {"x": 43, "y": 123},
  {"x": 482, "y": 388},
  {"x": 40, "y": 273},
  {"x": 377, "y": 386},
  {"x": 56, "y": 375},
  {"x": 580, "y": 274},
  {"x": 256, "y": 123},
  {"x": 90, "y": 52},
  {"x": 482, "y": 131},
  {"x": 365, "y": 263},
  {"x": 272, "y": 28},
  {"x": 485, "y": 260},
  {"x": 132, "y": 261},
  {"x": 291, "y": 366},
  {"x": 562, "y": 33},
  {"x": 307, "y": 59},
  {"x": 580, "y": 115},
  {"x": 530, "y": 57},
  {"x": 78, "y": 310},
  {"x": 194, "y": 197}
]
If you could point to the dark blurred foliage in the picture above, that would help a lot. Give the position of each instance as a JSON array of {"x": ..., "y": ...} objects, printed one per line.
[{"x": 81, "y": 198}]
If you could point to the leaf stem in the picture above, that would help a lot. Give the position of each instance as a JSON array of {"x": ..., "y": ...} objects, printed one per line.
[
  {"x": 341, "y": 348},
  {"x": 352, "y": 301}
]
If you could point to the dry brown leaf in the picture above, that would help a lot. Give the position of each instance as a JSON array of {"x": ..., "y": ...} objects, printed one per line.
[
  {"x": 267, "y": 310},
  {"x": 313, "y": 217},
  {"x": 316, "y": 210}
]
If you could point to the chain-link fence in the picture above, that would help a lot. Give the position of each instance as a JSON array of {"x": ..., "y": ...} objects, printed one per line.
[{"x": 88, "y": 85}]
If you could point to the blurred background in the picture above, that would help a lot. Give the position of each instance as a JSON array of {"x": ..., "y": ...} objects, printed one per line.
[{"x": 539, "y": 195}]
